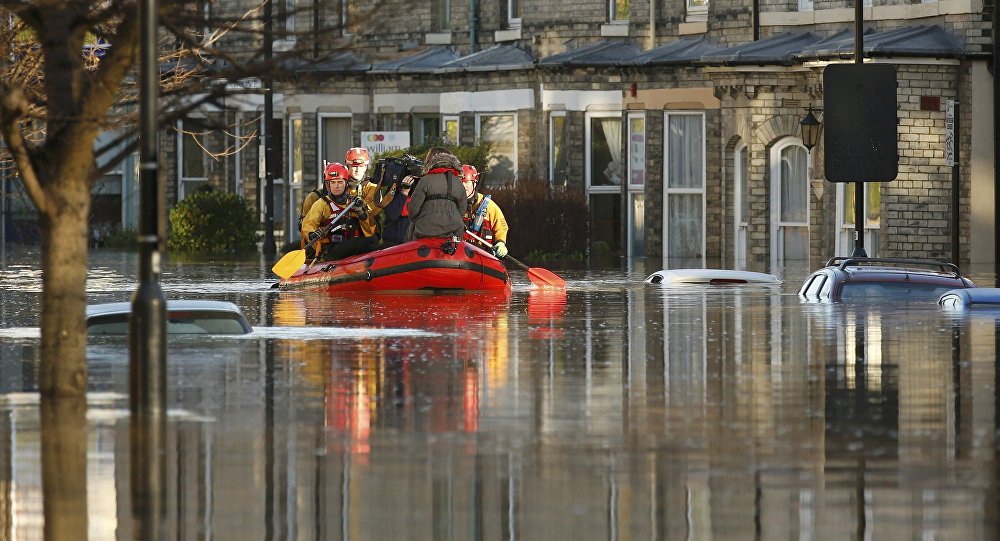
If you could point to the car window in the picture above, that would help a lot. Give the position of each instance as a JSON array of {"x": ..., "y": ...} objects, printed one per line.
[
  {"x": 892, "y": 290},
  {"x": 816, "y": 285},
  {"x": 194, "y": 322}
]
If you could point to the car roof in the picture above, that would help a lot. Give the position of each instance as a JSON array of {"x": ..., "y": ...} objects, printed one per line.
[{"x": 172, "y": 305}]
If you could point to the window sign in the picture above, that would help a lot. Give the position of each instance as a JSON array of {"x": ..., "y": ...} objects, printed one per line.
[
  {"x": 637, "y": 150},
  {"x": 378, "y": 142}
]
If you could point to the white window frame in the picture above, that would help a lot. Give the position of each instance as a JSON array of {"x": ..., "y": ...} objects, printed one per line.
[
  {"x": 295, "y": 185},
  {"x": 776, "y": 224},
  {"x": 513, "y": 18},
  {"x": 279, "y": 176},
  {"x": 806, "y": 5},
  {"x": 445, "y": 119},
  {"x": 181, "y": 179},
  {"x": 741, "y": 223},
  {"x": 695, "y": 11},
  {"x": 479, "y": 128},
  {"x": 447, "y": 16},
  {"x": 634, "y": 190},
  {"x": 667, "y": 191},
  {"x": 287, "y": 41},
  {"x": 321, "y": 144},
  {"x": 613, "y": 17},
  {"x": 552, "y": 143},
  {"x": 845, "y": 231},
  {"x": 588, "y": 138}
]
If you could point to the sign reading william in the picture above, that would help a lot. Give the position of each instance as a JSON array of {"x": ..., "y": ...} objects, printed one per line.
[{"x": 859, "y": 108}]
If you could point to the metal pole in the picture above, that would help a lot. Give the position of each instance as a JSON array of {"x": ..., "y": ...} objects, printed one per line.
[
  {"x": 755, "y": 21},
  {"x": 147, "y": 323},
  {"x": 859, "y": 186},
  {"x": 269, "y": 247}
]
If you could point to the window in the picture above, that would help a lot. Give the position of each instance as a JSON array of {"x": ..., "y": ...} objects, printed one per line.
[
  {"x": 604, "y": 169},
  {"x": 440, "y": 15},
  {"x": 697, "y": 9},
  {"x": 845, "y": 217},
  {"x": 426, "y": 129},
  {"x": 618, "y": 10},
  {"x": 295, "y": 169},
  {"x": 514, "y": 13},
  {"x": 275, "y": 131},
  {"x": 684, "y": 180},
  {"x": 741, "y": 195},
  {"x": 636, "y": 182},
  {"x": 284, "y": 14},
  {"x": 192, "y": 157},
  {"x": 449, "y": 130},
  {"x": 789, "y": 202},
  {"x": 335, "y": 138},
  {"x": 558, "y": 153},
  {"x": 805, "y": 5},
  {"x": 604, "y": 151},
  {"x": 501, "y": 131}
]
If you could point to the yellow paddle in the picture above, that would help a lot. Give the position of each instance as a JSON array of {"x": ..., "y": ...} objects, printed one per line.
[{"x": 292, "y": 261}]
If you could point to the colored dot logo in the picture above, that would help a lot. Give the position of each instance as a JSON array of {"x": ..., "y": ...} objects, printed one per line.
[{"x": 376, "y": 137}]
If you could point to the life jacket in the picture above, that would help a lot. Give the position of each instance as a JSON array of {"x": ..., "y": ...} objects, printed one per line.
[
  {"x": 347, "y": 227},
  {"x": 477, "y": 222}
]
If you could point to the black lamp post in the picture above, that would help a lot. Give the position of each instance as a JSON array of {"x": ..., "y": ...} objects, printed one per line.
[{"x": 811, "y": 128}]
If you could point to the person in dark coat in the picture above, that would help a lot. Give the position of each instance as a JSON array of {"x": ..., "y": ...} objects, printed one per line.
[
  {"x": 396, "y": 220},
  {"x": 437, "y": 202}
]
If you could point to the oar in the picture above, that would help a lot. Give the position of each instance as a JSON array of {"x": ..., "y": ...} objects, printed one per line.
[
  {"x": 538, "y": 276},
  {"x": 290, "y": 262}
]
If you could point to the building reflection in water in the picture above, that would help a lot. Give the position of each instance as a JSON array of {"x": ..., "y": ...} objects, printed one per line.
[{"x": 597, "y": 413}]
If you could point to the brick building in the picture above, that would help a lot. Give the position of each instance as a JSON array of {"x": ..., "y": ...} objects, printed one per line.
[{"x": 680, "y": 128}]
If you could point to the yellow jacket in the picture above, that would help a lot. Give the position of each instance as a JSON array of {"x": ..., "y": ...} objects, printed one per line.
[
  {"x": 369, "y": 226},
  {"x": 493, "y": 220}
]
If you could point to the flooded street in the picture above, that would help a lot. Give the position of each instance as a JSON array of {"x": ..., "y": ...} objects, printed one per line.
[{"x": 613, "y": 410}]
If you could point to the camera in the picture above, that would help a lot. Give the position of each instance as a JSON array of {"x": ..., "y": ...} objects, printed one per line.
[{"x": 393, "y": 169}]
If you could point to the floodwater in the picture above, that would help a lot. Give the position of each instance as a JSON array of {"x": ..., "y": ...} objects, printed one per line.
[{"x": 614, "y": 410}]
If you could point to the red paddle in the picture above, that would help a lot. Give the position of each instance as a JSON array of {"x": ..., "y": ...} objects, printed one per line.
[{"x": 538, "y": 276}]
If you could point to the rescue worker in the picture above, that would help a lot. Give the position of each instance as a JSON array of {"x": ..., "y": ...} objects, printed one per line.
[
  {"x": 358, "y": 160},
  {"x": 482, "y": 215},
  {"x": 343, "y": 239},
  {"x": 437, "y": 201},
  {"x": 312, "y": 197}
]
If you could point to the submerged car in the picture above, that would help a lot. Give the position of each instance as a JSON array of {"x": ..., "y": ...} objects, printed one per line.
[
  {"x": 874, "y": 279},
  {"x": 183, "y": 317},
  {"x": 710, "y": 277},
  {"x": 987, "y": 297}
]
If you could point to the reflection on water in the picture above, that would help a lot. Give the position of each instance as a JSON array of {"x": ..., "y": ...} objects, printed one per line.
[{"x": 613, "y": 410}]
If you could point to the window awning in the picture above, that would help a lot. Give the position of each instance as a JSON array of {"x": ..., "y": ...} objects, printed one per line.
[
  {"x": 498, "y": 57},
  {"x": 601, "y": 53},
  {"x": 775, "y": 50},
  {"x": 682, "y": 51},
  {"x": 425, "y": 61},
  {"x": 910, "y": 41}
]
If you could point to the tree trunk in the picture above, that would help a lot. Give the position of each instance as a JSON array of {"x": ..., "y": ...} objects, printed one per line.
[{"x": 63, "y": 363}]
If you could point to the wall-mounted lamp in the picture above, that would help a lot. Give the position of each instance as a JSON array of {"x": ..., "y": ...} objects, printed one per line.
[{"x": 811, "y": 128}]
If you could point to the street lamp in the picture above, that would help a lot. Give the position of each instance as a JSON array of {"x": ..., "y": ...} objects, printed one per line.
[{"x": 811, "y": 128}]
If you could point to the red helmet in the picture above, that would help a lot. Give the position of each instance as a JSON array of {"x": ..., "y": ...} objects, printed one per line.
[
  {"x": 358, "y": 156},
  {"x": 335, "y": 171},
  {"x": 469, "y": 174}
]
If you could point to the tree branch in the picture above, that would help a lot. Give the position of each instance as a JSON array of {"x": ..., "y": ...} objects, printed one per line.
[{"x": 13, "y": 108}]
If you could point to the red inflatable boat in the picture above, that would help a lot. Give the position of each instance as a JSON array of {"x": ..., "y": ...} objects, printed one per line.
[{"x": 423, "y": 264}]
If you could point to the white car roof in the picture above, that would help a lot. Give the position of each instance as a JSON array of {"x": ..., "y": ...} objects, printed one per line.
[{"x": 172, "y": 305}]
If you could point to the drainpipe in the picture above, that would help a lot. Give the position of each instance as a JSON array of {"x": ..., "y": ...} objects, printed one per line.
[
  {"x": 473, "y": 24},
  {"x": 652, "y": 24},
  {"x": 755, "y": 20},
  {"x": 996, "y": 148}
]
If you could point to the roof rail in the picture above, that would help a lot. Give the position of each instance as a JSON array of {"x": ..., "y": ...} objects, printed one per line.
[{"x": 922, "y": 264}]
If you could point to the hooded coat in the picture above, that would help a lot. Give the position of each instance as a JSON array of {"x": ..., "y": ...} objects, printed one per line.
[{"x": 437, "y": 202}]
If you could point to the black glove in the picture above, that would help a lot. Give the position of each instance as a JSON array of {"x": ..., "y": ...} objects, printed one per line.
[
  {"x": 359, "y": 203},
  {"x": 313, "y": 236}
]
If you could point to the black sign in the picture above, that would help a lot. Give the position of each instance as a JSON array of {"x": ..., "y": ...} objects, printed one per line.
[{"x": 859, "y": 110}]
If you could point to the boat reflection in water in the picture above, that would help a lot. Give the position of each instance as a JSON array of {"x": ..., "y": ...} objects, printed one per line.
[{"x": 612, "y": 410}]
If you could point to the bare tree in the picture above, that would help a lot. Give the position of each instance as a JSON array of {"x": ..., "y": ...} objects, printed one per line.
[{"x": 67, "y": 75}]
